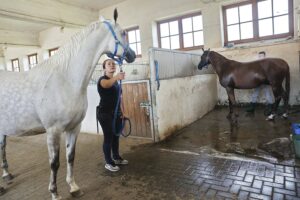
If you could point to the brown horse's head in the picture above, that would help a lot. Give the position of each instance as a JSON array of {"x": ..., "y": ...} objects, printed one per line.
[{"x": 204, "y": 59}]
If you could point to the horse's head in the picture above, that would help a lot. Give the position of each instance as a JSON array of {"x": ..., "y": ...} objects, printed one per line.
[
  {"x": 204, "y": 59},
  {"x": 119, "y": 47}
]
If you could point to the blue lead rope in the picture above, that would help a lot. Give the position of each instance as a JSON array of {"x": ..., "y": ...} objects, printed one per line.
[
  {"x": 119, "y": 130},
  {"x": 157, "y": 74},
  {"x": 114, "y": 123}
]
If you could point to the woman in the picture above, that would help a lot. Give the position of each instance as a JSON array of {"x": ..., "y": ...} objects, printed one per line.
[{"x": 108, "y": 89}]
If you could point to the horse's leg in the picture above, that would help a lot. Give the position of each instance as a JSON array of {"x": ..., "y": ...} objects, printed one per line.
[
  {"x": 71, "y": 138},
  {"x": 286, "y": 103},
  {"x": 53, "y": 141},
  {"x": 6, "y": 175},
  {"x": 232, "y": 103},
  {"x": 277, "y": 91}
]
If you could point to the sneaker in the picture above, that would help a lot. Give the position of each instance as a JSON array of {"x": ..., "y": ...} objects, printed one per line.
[
  {"x": 112, "y": 168},
  {"x": 121, "y": 162}
]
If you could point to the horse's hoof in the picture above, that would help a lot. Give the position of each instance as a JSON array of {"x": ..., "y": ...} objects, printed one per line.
[
  {"x": 270, "y": 117},
  {"x": 77, "y": 193},
  {"x": 284, "y": 115},
  {"x": 57, "y": 197},
  {"x": 8, "y": 177},
  {"x": 2, "y": 191}
]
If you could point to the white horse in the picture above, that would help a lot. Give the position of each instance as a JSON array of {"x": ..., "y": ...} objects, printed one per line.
[{"x": 52, "y": 97}]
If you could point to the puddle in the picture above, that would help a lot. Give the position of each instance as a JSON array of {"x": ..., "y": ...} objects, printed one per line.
[{"x": 253, "y": 137}]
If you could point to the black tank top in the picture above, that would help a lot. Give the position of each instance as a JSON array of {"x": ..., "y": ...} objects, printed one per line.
[{"x": 108, "y": 96}]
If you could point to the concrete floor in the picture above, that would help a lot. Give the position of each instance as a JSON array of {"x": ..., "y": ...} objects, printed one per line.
[{"x": 210, "y": 159}]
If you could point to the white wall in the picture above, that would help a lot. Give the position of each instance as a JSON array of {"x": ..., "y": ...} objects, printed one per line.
[
  {"x": 2, "y": 63},
  {"x": 181, "y": 101}
]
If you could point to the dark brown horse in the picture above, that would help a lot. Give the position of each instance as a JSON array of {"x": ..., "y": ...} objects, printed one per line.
[{"x": 248, "y": 75}]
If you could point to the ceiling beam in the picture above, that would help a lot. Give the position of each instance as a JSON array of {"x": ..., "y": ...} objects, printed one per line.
[
  {"x": 48, "y": 12},
  {"x": 14, "y": 38}
]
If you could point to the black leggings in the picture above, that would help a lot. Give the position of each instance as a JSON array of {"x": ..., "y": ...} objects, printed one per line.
[{"x": 111, "y": 141}]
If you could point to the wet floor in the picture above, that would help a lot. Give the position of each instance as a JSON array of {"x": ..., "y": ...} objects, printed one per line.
[
  {"x": 252, "y": 136},
  {"x": 210, "y": 159}
]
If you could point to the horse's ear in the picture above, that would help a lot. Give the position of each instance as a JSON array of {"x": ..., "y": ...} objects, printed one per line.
[
  {"x": 115, "y": 15},
  {"x": 202, "y": 49},
  {"x": 101, "y": 18}
]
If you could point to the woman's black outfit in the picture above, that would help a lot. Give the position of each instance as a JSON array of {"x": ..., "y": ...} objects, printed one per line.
[{"x": 105, "y": 115}]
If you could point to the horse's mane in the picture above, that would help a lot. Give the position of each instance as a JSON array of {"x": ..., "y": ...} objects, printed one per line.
[
  {"x": 62, "y": 57},
  {"x": 219, "y": 55}
]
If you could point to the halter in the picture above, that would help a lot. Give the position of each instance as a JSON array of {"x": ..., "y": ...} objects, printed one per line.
[
  {"x": 207, "y": 61},
  {"x": 114, "y": 56}
]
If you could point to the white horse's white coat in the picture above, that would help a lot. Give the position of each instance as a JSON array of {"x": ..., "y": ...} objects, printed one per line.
[{"x": 52, "y": 97}]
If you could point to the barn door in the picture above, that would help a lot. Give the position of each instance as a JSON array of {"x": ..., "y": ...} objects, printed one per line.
[{"x": 137, "y": 106}]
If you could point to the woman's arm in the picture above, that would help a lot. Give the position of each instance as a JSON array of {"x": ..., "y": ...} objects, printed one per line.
[{"x": 108, "y": 83}]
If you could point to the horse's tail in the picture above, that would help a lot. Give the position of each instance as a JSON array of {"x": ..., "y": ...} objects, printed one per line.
[{"x": 287, "y": 83}]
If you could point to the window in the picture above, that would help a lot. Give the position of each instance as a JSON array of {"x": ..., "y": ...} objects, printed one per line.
[
  {"x": 256, "y": 20},
  {"x": 185, "y": 32},
  {"x": 134, "y": 40},
  {"x": 52, "y": 51},
  {"x": 15, "y": 65},
  {"x": 32, "y": 59}
]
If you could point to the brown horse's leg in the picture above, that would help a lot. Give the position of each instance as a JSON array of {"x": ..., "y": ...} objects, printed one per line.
[
  {"x": 232, "y": 103},
  {"x": 277, "y": 91},
  {"x": 286, "y": 103}
]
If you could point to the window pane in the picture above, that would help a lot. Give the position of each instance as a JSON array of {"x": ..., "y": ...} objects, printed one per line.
[
  {"x": 16, "y": 63},
  {"x": 233, "y": 32},
  {"x": 138, "y": 36},
  {"x": 265, "y": 27},
  {"x": 52, "y": 52},
  {"x": 139, "y": 49},
  {"x": 232, "y": 16},
  {"x": 174, "y": 28},
  {"x": 164, "y": 29},
  {"x": 175, "y": 42},
  {"x": 133, "y": 47},
  {"x": 280, "y": 7},
  {"x": 165, "y": 43},
  {"x": 281, "y": 24},
  {"x": 187, "y": 25},
  {"x": 131, "y": 37},
  {"x": 264, "y": 9},
  {"x": 247, "y": 30},
  {"x": 246, "y": 13},
  {"x": 197, "y": 23},
  {"x": 188, "y": 40},
  {"x": 15, "y": 66},
  {"x": 198, "y": 38}
]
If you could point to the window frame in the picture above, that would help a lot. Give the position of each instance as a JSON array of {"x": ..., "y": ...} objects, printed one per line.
[
  {"x": 255, "y": 21},
  {"x": 127, "y": 38},
  {"x": 50, "y": 50},
  {"x": 180, "y": 31},
  {"x": 12, "y": 64},
  {"x": 36, "y": 59}
]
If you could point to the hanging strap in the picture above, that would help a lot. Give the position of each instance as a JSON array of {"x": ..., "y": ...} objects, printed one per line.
[{"x": 157, "y": 74}]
